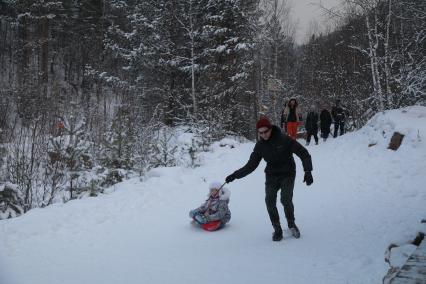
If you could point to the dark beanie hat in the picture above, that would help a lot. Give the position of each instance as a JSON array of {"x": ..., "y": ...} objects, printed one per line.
[{"x": 263, "y": 122}]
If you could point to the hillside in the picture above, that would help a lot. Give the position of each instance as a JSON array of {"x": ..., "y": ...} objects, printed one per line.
[{"x": 363, "y": 198}]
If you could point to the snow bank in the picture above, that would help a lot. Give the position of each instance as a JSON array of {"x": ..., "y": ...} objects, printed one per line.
[{"x": 409, "y": 121}]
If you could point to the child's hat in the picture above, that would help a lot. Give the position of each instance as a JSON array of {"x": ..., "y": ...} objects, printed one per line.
[
  {"x": 225, "y": 194},
  {"x": 215, "y": 185}
]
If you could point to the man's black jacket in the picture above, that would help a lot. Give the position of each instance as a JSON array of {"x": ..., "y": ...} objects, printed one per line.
[{"x": 278, "y": 153}]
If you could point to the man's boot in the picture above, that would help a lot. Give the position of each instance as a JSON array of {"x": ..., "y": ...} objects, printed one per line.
[
  {"x": 278, "y": 233},
  {"x": 294, "y": 230}
]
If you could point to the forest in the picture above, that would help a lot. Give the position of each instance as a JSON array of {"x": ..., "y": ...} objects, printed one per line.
[{"x": 92, "y": 91}]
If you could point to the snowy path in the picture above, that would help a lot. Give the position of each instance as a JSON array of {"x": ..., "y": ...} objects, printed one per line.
[{"x": 362, "y": 199}]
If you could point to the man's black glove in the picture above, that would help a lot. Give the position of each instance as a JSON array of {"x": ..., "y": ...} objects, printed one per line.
[
  {"x": 308, "y": 178},
  {"x": 230, "y": 178}
]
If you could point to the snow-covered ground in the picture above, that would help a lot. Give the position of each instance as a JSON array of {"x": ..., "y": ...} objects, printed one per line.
[{"x": 363, "y": 198}]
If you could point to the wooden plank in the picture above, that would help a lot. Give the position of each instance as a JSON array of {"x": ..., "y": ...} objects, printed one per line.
[{"x": 396, "y": 141}]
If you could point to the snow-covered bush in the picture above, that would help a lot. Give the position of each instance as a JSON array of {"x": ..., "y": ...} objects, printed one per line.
[
  {"x": 69, "y": 159},
  {"x": 179, "y": 146},
  {"x": 67, "y": 165},
  {"x": 119, "y": 142},
  {"x": 113, "y": 176},
  {"x": 10, "y": 201},
  {"x": 163, "y": 148}
]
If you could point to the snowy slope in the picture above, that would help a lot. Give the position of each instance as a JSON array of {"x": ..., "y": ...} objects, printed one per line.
[{"x": 363, "y": 198}]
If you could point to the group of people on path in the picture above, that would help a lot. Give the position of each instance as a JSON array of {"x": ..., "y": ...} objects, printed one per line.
[
  {"x": 277, "y": 149},
  {"x": 290, "y": 120}
]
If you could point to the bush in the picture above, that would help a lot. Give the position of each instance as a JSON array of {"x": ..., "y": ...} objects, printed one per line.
[{"x": 10, "y": 201}]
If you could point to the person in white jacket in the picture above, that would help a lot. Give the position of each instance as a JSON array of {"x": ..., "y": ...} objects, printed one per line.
[{"x": 215, "y": 207}]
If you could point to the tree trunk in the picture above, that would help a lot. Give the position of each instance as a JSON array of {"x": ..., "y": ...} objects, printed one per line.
[
  {"x": 373, "y": 44},
  {"x": 388, "y": 97}
]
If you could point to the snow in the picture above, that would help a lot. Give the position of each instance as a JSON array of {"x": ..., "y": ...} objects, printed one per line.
[
  {"x": 243, "y": 46},
  {"x": 400, "y": 254},
  {"x": 363, "y": 199},
  {"x": 220, "y": 48},
  {"x": 383, "y": 125},
  {"x": 9, "y": 185}
]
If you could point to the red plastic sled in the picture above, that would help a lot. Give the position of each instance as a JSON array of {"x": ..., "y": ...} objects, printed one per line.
[{"x": 212, "y": 226}]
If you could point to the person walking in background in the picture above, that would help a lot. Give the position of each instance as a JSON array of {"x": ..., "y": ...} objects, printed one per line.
[
  {"x": 338, "y": 114},
  {"x": 292, "y": 118},
  {"x": 283, "y": 123},
  {"x": 311, "y": 125},
  {"x": 277, "y": 150},
  {"x": 325, "y": 118}
]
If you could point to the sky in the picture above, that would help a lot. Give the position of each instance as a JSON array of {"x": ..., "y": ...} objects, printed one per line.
[
  {"x": 362, "y": 200},
  {"x": 304, "y": 11}
]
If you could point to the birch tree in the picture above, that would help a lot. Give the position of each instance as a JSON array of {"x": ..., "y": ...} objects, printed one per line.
[
  {"x": 276, "y": 44},
  {"x": 188, "y": 22}
]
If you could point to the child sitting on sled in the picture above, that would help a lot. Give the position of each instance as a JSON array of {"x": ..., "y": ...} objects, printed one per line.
[{"x": 214, "y": 213}]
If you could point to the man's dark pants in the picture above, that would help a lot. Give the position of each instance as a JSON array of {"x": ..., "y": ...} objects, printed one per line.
[
  {"x": 337, "y": 125},
  {"x": 272, "y": 185}
]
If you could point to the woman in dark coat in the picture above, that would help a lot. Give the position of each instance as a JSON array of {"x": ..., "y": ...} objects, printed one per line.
[{"x": 325, "y": 124}]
